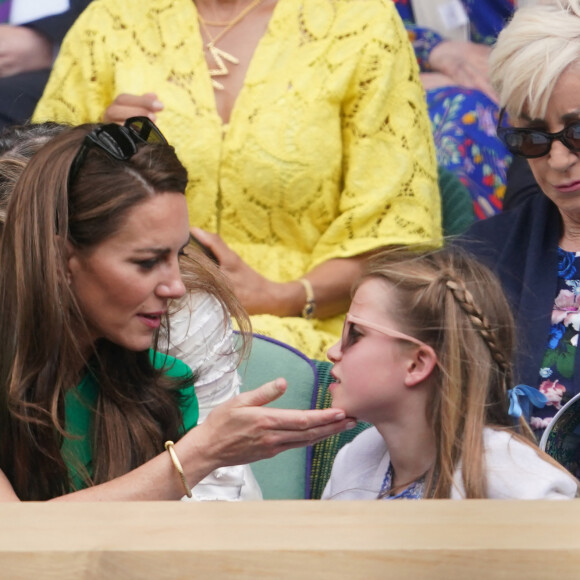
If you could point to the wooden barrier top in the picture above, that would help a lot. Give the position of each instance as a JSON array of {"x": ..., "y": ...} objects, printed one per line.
[{"x": 291, "y": 540}]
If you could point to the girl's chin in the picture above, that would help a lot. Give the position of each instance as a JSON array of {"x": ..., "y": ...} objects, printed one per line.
[{"x": 338, "y": 404}]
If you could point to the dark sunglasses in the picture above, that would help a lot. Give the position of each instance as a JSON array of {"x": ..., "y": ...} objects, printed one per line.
[
  {"x": 118, "y": 141},
  {"x": 531, "y": 143}
]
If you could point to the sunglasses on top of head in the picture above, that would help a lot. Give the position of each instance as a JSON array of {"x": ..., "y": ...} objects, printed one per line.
[
  {"x": 531, "y": 143},
  {"x": 118, "y": 141}
]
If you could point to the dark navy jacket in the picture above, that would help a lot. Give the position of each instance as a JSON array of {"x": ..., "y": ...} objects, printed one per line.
[
  {"x": 55, "y": 27},
  {"x": 521, "y": 247},
  {"x": 20, "y": 93}
]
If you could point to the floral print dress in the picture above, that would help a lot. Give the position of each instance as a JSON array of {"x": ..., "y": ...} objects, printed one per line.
[
  {"x": 557, "y": 374},
  {"x": 415, "y": 490},
  {"x": 464, "y": 120}
]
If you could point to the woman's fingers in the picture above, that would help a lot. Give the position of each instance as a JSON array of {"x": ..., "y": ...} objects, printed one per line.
[
  {"x": 258, "y": 294},
  {"x": 263, "y": 395},
  {"x": 215, "y": 244},
  {"x": 127, "y": 105},
  {"x": 299, "y": 421},
  {"x": 243, "y": 430}
]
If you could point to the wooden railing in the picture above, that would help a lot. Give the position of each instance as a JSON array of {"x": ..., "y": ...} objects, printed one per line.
[{"x": 310, "y": 540}]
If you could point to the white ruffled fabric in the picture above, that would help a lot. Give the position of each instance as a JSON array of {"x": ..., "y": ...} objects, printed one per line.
[{"x": 203, "y": 339}]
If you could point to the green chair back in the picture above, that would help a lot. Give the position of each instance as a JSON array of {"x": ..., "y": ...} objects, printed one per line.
[{"x": 283, "y": 476}]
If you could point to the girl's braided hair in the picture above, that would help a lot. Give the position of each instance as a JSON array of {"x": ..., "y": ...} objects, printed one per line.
[
  {"x": 466, "y": 301},
  {"x": 456, "y": 305}
]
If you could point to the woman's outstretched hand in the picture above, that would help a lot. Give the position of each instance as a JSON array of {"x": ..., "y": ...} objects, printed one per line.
[
  {"x": 243, "y": 430},
  {"x": 237, "y": 432}
]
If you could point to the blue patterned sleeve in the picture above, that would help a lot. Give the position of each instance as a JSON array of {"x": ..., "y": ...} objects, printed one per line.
[{"x": 424, "y": 40}]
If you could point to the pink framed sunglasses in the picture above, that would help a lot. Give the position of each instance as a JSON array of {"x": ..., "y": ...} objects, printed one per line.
[{"x": 349, "y": 335}]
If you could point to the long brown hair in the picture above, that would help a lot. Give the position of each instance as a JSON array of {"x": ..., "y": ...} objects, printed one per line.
[
  {"x": 41, "y": 324},
  {"x": 456, "y": 305}
]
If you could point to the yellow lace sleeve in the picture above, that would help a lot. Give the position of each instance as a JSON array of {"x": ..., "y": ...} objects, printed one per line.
[
  {"x": 80, "y": 88},
  {"x": 390, "y": 193}
]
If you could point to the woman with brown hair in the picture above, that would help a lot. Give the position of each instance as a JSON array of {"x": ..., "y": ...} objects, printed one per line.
[
  {"x": 90, "y": 272},
  {"x": 200, "y": 328}
]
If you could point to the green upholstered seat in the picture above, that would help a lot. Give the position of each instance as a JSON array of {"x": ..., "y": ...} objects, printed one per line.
[
  {"x": 283, "y": 476},
  {"x": 296, "y": 473}
]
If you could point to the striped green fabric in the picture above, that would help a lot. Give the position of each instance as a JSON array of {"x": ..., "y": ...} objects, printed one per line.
[
  {"x": 322, "y": 454},
  {"x": 456, "y": 204}
]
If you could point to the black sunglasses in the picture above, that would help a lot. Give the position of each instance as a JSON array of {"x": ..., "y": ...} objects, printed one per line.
[
  {"x": 118, "y": 141},
  {"x": 531, "y": 143}
]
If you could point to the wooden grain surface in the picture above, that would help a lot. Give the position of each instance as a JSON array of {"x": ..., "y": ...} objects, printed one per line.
[{"x": 291, "y": 540}]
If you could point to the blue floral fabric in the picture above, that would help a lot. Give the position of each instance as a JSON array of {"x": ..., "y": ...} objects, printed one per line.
[
  {"x": 557, "y": 378},
  {"x": 415, "y": 491},
  {"x": 486, "y": 19},
  {"x": 464, "y": 120}
]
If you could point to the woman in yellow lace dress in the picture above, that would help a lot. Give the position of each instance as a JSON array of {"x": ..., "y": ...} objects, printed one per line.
[{"x": 303, "y": 127}]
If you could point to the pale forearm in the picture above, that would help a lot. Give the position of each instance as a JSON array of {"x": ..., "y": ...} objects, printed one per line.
[{"x": 155, "y": 480}]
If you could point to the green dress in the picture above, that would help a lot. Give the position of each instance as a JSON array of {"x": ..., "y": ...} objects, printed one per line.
[{"x": 79, "y": 410}]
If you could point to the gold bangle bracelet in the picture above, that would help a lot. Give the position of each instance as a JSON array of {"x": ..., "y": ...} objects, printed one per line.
[
  {"x": 177, "y": 464},
  {"x": 310, "y": 305}
]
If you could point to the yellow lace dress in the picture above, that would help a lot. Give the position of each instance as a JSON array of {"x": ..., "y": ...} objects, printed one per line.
[{"x": 328, "y": 152}]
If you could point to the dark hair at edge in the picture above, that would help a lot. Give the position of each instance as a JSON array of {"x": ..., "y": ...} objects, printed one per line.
[
  {"x": 41, "y": 324},
  {"x": 18, "y": 143}
]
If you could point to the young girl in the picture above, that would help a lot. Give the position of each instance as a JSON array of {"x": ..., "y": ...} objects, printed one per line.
[{"x": 425, "y": 357}]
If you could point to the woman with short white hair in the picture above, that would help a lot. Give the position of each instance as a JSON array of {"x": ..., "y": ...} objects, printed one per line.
[{"x": 535, "y": 248}]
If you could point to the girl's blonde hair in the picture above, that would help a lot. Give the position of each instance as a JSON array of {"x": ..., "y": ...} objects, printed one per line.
[
  {"x": 532, "y": 52},
  {"x": 456, "y": 305}
]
